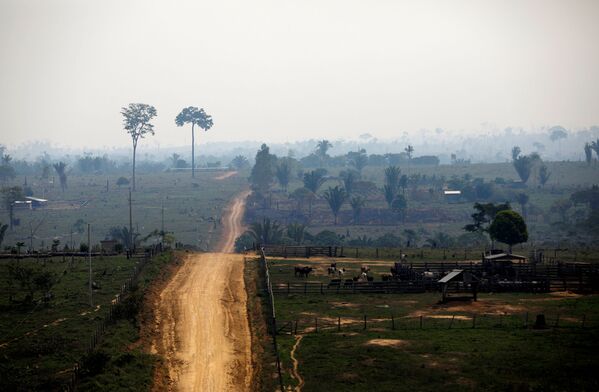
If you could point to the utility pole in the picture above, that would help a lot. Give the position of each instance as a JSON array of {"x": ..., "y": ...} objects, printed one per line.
[
  {"x": 89, "y": 256},
  {"x": 162, "y": 226},
  {"x": 131, "y": 224}
]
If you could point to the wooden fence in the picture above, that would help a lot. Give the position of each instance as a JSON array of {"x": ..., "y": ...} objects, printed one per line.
[
  {"x": 403, "y": 287},
  {"x": 111, "y": 316},
  {"x": 445, "y": 321}
]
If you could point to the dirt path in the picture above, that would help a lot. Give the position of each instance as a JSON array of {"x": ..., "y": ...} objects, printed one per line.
[
  {"x": 295, "y": 371},
  {"x": 225, "y": 175},
  {"x": 201, "y": 319}
]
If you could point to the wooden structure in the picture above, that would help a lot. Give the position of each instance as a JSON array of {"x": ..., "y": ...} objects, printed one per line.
[
  {"x": 108, "y": 246},
  {"x": 458, "y": 281}
]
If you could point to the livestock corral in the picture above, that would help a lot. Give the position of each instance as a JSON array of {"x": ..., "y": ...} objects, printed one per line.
[{"x": 351, "y": 324}]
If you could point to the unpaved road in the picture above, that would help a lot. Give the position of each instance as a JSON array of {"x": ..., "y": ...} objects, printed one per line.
[{"x": 201, "y": 318}]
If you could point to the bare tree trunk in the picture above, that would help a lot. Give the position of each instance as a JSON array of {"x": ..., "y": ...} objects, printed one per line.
[
  {"x": 134, "y": 149},
  {"x": 193, "y": 164}
]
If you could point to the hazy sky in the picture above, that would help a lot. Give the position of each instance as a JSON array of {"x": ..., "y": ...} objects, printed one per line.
[{"x": 286, "y": 70}]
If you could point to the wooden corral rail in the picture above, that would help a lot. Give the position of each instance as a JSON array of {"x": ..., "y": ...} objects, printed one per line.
[
  {"x": 301, "y": 251},
  {"x": 349, "y": 287},
  {"x": 397, "y": 287},
  {"x": 323, "y": 323},
  {"x": 47, "y": 255}
]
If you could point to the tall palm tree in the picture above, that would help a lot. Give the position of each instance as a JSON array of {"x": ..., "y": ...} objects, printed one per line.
[
  {"x": 194, "y": 116},
  {"x": 335, "y": 197},
  {"x": 60, "y": 168},
  {"x": 313, "y": 180},
  {"x": 266, "y": 232}
]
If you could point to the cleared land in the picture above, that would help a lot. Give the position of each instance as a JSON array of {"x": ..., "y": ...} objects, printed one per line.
[
  {"x": 396, "y": 351},
  {"x": 201, "y": 318}
]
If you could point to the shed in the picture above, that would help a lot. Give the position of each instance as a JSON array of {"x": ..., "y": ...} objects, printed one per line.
[
  {"x": 108, "y": 246},
  {"x": 504, "y": 258},
  {"x": 458, "y": 281},
  {"x": 36, "y": 202}
]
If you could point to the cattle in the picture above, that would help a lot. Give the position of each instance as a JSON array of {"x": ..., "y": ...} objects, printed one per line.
[
  {"x": 365, "y": 269},
  {"x": 303, "y": 272}
]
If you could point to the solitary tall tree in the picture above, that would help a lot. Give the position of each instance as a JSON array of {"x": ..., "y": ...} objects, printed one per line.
[
  {"x": 321, "y": 150},
  {"x": 544, "y": 175},
  {"x": 335, "y": 197},
  {"x": 313, "y": 180},
  {"x": 508, "y": 227},
  {"x": 60, "y": 168},
  {"x": 263, "y": 170},
  {"x": 356, "y": 205},
  {"x": 194, "y": 116},
  {"x": 136, "y": 121},
  {"x": 392, "y": 176},
  {"x": 283, "y": 174},
  {"x": 588, "y": 153}
]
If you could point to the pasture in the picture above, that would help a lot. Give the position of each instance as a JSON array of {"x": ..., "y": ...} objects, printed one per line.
[
  {"x": 411, "y": 342},
  {"x": 192, "y": 208},
  {"x": 41, "y": 341}
]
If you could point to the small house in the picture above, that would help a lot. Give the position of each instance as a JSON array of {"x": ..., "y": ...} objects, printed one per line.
[{"x": 452, "y": 196}]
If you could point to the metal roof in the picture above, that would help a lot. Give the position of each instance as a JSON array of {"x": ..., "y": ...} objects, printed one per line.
[
  {"x": 36, "y": 199},
  {"x": 453, "y": 274},
  {"x": 452, "y": 192},
  {"x": 504, "y": 256}
]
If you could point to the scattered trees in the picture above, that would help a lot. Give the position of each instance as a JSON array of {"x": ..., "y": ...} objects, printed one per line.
[
  {"x": 136, "y": 121},
  {"x": 508, "y": 227},
  {"x": 588, "y": 153},
  {"x": 194, "y": 116},
  {"x": 484, "y": 215},
  {"x": 336, "y": 197}
]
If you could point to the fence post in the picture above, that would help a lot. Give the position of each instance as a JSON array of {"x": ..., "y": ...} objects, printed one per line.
[
  {"x": 377, "y": 253},
  {"x": 321, "y": 291},
  {"x": 295, "y": 327},
  {"x": 338, "y": 324},
  {"x": 364, "y": 322},
  {"x": 392, "y": 322},
  {"x": 316, "y": 324},
  {"x": 451, "y": 322},
  {"x": 305, "y": 287},
  {"x": 420, "y": 321},
  {"x": 287, "y": 288}
]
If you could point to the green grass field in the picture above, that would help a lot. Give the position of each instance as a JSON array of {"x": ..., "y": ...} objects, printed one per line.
[
  {"x": 412, "y": 342},
  {"x": 40, "y": 342},
  {"x": 192, "y": 207}
]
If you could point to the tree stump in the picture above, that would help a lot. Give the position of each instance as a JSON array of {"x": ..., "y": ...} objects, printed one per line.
[{"x": 540, "y": 322}]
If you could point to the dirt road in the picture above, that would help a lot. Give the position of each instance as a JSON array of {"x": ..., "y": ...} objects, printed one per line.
[{"x": 201, "y": 318}]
